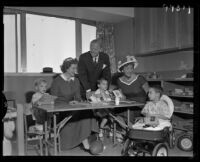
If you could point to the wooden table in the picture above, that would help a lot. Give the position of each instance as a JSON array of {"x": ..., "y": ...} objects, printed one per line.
[{"x": 81, "y": 106}]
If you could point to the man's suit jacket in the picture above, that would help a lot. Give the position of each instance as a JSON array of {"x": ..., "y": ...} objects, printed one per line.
[{"x": 90, "y": 72}]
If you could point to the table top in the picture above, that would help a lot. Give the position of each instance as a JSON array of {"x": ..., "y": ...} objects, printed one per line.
[{"x": 86, "y": 106}]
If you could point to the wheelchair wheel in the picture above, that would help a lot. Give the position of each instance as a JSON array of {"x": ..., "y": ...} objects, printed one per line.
[
  {"x": 160, "y": 150},
  {"x": 185, "y": 142},
  {"x": 126, "y": 147}
]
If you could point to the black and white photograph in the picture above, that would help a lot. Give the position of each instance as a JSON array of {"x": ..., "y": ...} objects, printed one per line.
[{"x": 98, "y": 81}]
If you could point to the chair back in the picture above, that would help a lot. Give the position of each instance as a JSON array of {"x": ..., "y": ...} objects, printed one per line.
[{"x": 169, "y": 103}]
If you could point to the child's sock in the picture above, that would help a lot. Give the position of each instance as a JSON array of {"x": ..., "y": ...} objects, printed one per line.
[{"x": 100, "y": 133}]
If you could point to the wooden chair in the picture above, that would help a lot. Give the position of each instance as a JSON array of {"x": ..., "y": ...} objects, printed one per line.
[
  {"x": 59, "y": 126},
  {"x": 29, "y": 132}
]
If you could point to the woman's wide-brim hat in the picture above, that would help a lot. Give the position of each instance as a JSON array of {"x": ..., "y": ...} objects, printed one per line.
[{"x": 125, "y": 61}]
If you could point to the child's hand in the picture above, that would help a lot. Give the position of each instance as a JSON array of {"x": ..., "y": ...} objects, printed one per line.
[{"x": 73, "y": 102}]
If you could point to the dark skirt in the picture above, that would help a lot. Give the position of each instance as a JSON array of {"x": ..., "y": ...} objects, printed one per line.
[{"x": 79, "y": 127}]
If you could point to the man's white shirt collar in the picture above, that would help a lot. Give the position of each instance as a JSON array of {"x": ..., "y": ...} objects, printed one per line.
[{"x": 97, "y": 58}]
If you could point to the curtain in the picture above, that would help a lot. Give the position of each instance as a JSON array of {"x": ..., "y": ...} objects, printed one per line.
[{"x": 105, "y": 32}]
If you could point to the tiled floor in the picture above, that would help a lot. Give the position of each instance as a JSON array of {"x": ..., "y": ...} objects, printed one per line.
[{"x": 113, "y": 150}]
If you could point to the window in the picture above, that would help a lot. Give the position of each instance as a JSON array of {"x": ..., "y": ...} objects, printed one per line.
[
  {"x": 49, "y": 41},
  {"x": 88, "y": 34},
  {"x": 9, "y": 43},
  {"x": 32, "y": 42}
]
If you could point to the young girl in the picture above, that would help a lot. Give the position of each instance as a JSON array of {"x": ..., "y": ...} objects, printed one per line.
[
  {"x": 102, "y": 94},
  {"x": 160, "y": 106},
  {"x": 38, "y": 98}
]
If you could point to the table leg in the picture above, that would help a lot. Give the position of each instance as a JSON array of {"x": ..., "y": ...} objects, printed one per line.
[
  {"x": 114, "y": 134},
  {"x": 128, "y": 117},
  {"x": 54, "y": 130},
  {"x": 46, "y": 137}
]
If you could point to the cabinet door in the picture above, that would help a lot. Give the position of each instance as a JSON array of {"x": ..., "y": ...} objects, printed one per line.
[
  {"x": 186, "y": 28},
  {"x": 155, "y": 29},
  {"x": 142, "y": 30},
  {"x": 170, "y": 32}
]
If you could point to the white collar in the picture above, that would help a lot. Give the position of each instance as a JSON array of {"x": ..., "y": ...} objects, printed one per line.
[
  {"x": 130, "y": 82},
  {"x": 67, "y": 79}
]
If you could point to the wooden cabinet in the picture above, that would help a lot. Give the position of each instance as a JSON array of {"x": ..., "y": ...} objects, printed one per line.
[
  {"x": 157, "y": 30},
  {"x": 145, "y": 30},
  {"x": 181, "y": 92},
  {"x": 186, "y": 28}
]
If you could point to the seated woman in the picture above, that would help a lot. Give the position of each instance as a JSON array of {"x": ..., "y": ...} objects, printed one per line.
[
  {"x": 158, "y": 110},
  {"x": 67, "y": 89},
  {"x": 133, "y": 86}
]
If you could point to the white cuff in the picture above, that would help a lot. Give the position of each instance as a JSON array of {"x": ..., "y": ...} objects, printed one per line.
[{"x": 88, "y": 90}]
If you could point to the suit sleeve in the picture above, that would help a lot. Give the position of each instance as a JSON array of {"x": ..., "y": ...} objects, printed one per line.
[
  {"x": 106, "y": 71},
  {"x": 82, "y": 72}
]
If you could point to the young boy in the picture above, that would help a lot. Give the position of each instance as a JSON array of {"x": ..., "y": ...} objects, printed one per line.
[
  {"x": 160, "y": 106},
  {"x": 102, "y": 94}
]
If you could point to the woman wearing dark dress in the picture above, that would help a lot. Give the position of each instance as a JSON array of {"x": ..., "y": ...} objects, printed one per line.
[
  {"x": 67, "y": 88},
  {"x": 133, "y": 86}
]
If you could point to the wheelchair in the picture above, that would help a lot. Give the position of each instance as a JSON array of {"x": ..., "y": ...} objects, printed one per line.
[
  {"x": 144, "y": 140},
  {"x": 141, "y": 141}
]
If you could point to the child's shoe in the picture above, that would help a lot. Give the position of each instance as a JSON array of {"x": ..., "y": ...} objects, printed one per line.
[
  {"x": 39, "y": 127},
  {"x": 111, "y": 133}
]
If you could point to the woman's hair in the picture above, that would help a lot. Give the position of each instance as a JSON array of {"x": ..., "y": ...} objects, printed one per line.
[
  {"x": 67, "y": 63},
  {"x": 39, "y": 81},
  {"x": 158, "y": 89}
]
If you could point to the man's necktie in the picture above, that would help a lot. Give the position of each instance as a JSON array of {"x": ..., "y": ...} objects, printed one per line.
[{"x": 95, "y": 60}]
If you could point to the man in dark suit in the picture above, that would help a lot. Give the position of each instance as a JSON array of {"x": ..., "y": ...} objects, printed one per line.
[{"x": 92, "y": 66}]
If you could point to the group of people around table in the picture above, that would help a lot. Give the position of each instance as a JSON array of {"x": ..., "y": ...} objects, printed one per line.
[{"x": 93, "y": 82}]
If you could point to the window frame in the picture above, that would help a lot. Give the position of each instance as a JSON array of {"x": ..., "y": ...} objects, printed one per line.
[
  {"x": 16, "y": 42},
  {"x": 23, "y": 42}
]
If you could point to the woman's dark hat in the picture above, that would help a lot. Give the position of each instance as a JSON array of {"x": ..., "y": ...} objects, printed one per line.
[{"x": 127, "y": 60}]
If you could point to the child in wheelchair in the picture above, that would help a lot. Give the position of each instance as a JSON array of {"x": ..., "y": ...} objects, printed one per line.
[
  {"x": 149, "y": 133},
  {"x": 157, "y": 111}
]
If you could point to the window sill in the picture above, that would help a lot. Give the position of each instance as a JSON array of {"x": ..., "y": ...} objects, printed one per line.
[{"x": 30, "y": 74}]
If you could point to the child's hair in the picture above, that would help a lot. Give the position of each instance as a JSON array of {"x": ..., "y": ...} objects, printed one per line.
[
  {"x": 39, "y": 81},
  {"x": 158, "y": 89},
  {"x": 100, "y": 80}
]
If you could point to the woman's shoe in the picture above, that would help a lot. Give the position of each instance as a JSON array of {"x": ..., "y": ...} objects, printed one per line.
[{"x": 84, "y": 149}]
